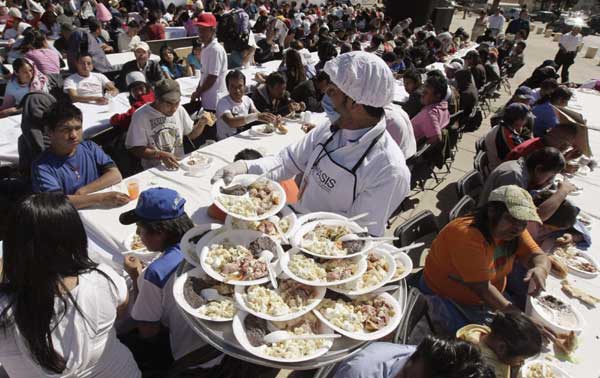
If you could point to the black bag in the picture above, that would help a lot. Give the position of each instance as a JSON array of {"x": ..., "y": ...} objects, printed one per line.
[
  {"x": 233, "y": 30},
  {"x": 473, "y": 122}
]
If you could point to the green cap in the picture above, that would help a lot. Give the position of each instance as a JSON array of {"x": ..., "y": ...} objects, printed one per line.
[{"x": 518, "y": 202}]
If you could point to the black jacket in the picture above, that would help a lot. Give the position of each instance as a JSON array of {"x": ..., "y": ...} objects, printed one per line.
[
  {"x": 264, "y": 103},
  {"x": 306, "y": 92},
  {"x": 413, "y": 105},
  {"x": 153, "y": 73}
]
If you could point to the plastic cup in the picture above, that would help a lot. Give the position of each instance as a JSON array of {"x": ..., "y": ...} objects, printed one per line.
[{"x": 133, "y": 188}]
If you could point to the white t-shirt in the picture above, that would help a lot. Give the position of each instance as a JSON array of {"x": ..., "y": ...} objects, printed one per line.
[
  {"x": 496, "y": 22},
  {"x": 214, "y": 62},
  {"x": 151, "y": 128},
  {"x": 227, "y": 105},
  {"x": 125, "y": 42},
  {"x": 570, "y": 41},
  {"x": 88, "y": 342},
  {"x": 90, "y": 86},
  {"x": 400, "y": 128}
]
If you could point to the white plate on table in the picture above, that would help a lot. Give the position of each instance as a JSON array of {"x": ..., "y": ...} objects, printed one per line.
[
  {"x": 298, "y": 239},
  {"x": 207, "y": 232},
  {"x": 141, "y": 253},
  {"x": 239, "y": 237},
  {"x": 352, "y": 291},
  {"x": 369, "y": 336},
  {"x": 582, "y": 273},
  {"x": 246, "y": 180},
  {"x": 318, "y": 295},
  {"x": 261, "y": 130},
  {"x": 285, "y": 260},
  {"x": 525, "y": 371},
  {"x": 196, "y": 164},
  {"x": 239, "y": 330},
  {"x": 541, "y": 315},
  {"x": 286, "y": 213},
  {"x": 402, "y": 259},
  {"x": 178, "y": 286}
]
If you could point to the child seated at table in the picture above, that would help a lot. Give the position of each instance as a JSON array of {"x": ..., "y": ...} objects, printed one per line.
[
  {"x": 140, "y": 94},
  {"x": 193, "y": 58},
  {"x": 510, "y": 339},
  {"x": 289, "y": 186},
  {"x": 88, "y": 86},
  {"x": 161, "y": 222},
  {"x": 74, "y": 167}
]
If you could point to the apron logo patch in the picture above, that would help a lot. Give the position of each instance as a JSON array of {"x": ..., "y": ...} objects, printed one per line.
[{"x": 325, "y": 182}]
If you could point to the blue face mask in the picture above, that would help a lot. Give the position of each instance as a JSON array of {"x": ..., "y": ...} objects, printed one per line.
[{"x": 329, "y": 109}]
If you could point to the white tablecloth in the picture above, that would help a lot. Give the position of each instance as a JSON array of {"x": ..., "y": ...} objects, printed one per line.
[
  {"x": 172, "y": 32},
  {"x": 586, "y": 355},
  {"x": 108, "y": 234},
  {"x": 587, "y": 102},
  {"x": 118, "y": 59}
]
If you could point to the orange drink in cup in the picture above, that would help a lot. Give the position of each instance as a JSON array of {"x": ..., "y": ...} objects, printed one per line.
[{"x": 133, "y": 188}]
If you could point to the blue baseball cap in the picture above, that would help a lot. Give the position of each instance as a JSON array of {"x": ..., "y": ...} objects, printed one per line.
[
  {"x": 155, "y": 204},
  {"x": 524, "y": 93}
]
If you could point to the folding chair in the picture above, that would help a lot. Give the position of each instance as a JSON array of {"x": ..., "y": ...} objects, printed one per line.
[
  {"x": 509, "y": 74},
  {"x": 416, "y": 309},
  {"x": 453, "y": 135},
  {"x": 480, "y": 144},
  {"x": 470, "y": 184},
  {"x": 486, "y": 95},
  {"x": 462, "y": 208},
  {"x": 481, "y": 164},
  {"x": 418, "y": 227},
  {"x": 421, "y": 169}
]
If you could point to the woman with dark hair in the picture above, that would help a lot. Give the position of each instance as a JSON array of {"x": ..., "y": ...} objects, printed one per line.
[
  {"x": 469, "y": 97},
  {"x": 466, "y": 269},
  {"x": 57, "y": 307},
  {"x": 47, "y": 60},
  {"x": 473, "y": 63},
  {"x": 294, "y": 69},
  {"x": 506, "y": 343},
  {"x": 434, "y": 115},
  {"x": 25, "y": 79},
  {"x": 170, "y": 63},
  {"x": 508, "y": 134}
]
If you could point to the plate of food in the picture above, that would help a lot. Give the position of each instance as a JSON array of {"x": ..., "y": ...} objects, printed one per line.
[
  {"x": 285, "y": 221},
  {"x": 313, "y": 271},
  {"x": 404, "y": 265},
  {"x": 555, "y": 314},
  {"x": 579, "y": 263},
  {"x": 249, "y": 199},
  {"x": 135, "y": 247},
  {"x": 381, "y": 266},
  {"x": 188, "y": 292},
  {"x": 367, "y": 318},
  {"x": 250, "y": 332},
  {"x": 541, "y": 369},
  {"x": 198, "y": 235},
  {"x": 585, "y": 220},
  {"x": 322, "y": 239},
  {"x": 233, "y": 257},
  {"x": 289, "y": 301},
  {"x": 320, "y": 215},
  {"x": 266, "y": 129},
  {"x": 197, "y": 163}
]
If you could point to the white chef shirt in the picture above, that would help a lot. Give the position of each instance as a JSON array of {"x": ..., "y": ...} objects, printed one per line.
[
  {"x": 88, "y": 342},
  {"x": 400, "y": 128},
  {"x": 570, "y": 41},
  {"x": 496, "y": 22},
  {"x": 226, "y": 105},
  {"x": 92, "y": 85},
  {"x": 151, "y": 128},
  {"x": 382, "y": 181},
  {"x": 214, "y": 62}
]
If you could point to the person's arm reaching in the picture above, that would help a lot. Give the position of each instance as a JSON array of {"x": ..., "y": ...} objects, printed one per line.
[
  {"x": 149, "y": 153},
  {"x": 549, "y": 206},
  {"x": 110, "y": 177},
  {"x": 491, "y": 296},
  {"x": 107, "y": 200},
  {"x": 206, "y": 85},
  {"x": 111, "y": 88},
  {"x": 242, "y": 120}
]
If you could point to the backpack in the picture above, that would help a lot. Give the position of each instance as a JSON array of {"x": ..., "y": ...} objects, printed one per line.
[{"x": 233, "y": 30}]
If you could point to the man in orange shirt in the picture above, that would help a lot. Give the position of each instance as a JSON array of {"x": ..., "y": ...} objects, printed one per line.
[{"x": 465, "y": 272}]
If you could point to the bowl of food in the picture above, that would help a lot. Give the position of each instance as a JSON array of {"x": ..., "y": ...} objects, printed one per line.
[
  {"x": 198, "y": 235},
  {"x": 555, "y": 313},
  {"x": 283, "y": 222},
  {"x": 541, "y": 369},
  {"x": 381, "y": 266},
  {"x": 233, "y": 257},
  {"x": 289, "y": 301},
  {"x": 250, "y": 332},
  {"x": 579, "y": 262},
  {"x": 323, "y": 239},
  {"x": 249, "y": 199},
  {"x": 313, "y": 271},
  {"x": 404, "y": 264},
  {"x": 266, "y": 129},
  {"x": 367, "y": 318},
  {"x": 188, "y": 293}
]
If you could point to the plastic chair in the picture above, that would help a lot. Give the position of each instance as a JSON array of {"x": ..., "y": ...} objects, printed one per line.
[
  {"x": 462, "y": 208},
  {"x": 470, "y": 184},
  {"x": 418, "y": 227}
]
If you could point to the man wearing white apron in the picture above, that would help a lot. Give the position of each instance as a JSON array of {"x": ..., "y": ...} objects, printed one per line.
[{"x": 353, "y": 166}]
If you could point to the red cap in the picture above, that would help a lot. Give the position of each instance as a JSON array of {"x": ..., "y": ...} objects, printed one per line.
[{"x": 206, "y": 20}]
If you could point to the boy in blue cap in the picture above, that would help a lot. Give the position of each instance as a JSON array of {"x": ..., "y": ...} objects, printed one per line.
[{"x": 161, "y": 222}]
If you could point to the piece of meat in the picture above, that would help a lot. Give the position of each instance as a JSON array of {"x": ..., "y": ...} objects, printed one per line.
[
  {"x": 256, "y": 329},
  {"x": 234, "y": 190},
  {"x": 266, "y": 227},
  {"x": 191, "y": 291},
  {"x": 263, "y": 243}
]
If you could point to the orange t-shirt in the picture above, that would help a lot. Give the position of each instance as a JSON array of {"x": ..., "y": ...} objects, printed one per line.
[
  {"x": 461, "y": 253},
  {"x": 291, "y": 194}
]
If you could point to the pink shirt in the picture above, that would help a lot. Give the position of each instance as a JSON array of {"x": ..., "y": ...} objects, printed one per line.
[
  {"x": 47, "y": 61},
  {"x": 431, "y": 120}
]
